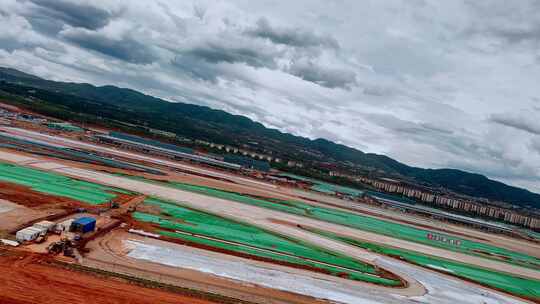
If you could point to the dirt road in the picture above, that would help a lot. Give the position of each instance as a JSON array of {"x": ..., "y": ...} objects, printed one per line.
[{"x": 28, "y": 279}]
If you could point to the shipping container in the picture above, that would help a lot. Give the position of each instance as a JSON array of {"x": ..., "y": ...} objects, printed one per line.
[{"x": 84, "y": 224}]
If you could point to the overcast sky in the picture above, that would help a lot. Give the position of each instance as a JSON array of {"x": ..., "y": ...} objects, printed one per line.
[{"x": 430, "y": 83}]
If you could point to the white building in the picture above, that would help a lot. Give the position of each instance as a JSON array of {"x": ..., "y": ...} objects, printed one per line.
[
  {"x": 45, "y": 224},
  {"x": 30, "y": 234}
]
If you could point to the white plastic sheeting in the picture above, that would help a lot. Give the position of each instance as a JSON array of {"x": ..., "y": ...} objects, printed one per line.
[
  {"x": 441, "y": 289},
  {"x": 144, "y": 233}
]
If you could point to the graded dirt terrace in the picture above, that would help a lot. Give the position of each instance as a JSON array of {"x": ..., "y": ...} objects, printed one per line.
[
  {"x": 258, "y": 216},
  {"x": 500, "y": 240},
  {"x": 229, "y": 181},
  {"x": 252, "y": 187},
  {"x": 286, "y": 193},
  {"x": 109, "y": 253}
]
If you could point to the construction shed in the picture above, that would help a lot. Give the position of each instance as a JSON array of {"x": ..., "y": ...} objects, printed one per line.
[
  {"x": 29, "y": 234},
  {"x": 84, "y": 224},
  {"x": 45, "y": 224},
  {"x": 64, "y": 226},
  {"x": 247, "y": 162},
  {"x": 9, "y": 242}
]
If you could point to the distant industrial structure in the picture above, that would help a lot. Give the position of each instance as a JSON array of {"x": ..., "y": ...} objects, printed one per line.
[
  {"x": 241, "y": 151},
  {"x": 468, "y": 206},
  {"x": 64, "y": 126},
  {"x": 442, "y": 215},
  {"x": 145, "y": 145},
  {"x": 140, "y": 144}
]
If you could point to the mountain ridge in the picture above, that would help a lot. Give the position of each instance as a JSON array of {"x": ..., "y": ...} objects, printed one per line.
[{"x": 202, "y": 122}]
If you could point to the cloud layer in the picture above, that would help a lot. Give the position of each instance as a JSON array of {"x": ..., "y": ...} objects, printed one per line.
[{"x": 431, "y": 83}]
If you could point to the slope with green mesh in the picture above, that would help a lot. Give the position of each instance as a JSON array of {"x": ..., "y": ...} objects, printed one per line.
[
  {"x": 56, "y": 184},
  {"x": 367, "y": 223},
  {"x": 207, "y": 229},
  {"x": 512, "y": 284}
]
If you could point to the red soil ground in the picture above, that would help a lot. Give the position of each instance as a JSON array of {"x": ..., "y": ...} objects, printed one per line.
[
  {"x": 27, "y": 197},
  {"x": 28, "y": 279}
]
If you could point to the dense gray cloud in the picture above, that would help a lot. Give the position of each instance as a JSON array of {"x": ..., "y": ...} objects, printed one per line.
[
  {"x": 520, "y": 122},
  {"x": 514, "y": 24},
  {"x": 74, "y": 14},
  {"x": 517, "y": 35},
  {"x": 292, "y": 36},
  {"x": 535, "y": 144},
  {"x": 126, "y": 48},
  {"x": 430, "y": 83},
  {"x": 215, "y": 53},
  {"x": 405, "y": 127},
  {"x": 325, "y": 76}
]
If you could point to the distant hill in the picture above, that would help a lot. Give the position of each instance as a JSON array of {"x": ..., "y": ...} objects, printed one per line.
[
  {"x": 200, "y": 122},
  {"x": 9, "y": 73}
]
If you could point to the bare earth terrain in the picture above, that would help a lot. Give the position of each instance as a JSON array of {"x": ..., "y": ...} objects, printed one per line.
[
  {"x": 422, "y": 284},
  {"x": 217, "y": 273},
  {"x": 28, "y": 279}
]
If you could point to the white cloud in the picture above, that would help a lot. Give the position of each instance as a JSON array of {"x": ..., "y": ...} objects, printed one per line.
[{"x": 432, "y": 83}]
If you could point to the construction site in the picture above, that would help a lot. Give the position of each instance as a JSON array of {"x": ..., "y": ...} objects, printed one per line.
[{"x": 119, "y": 219}]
